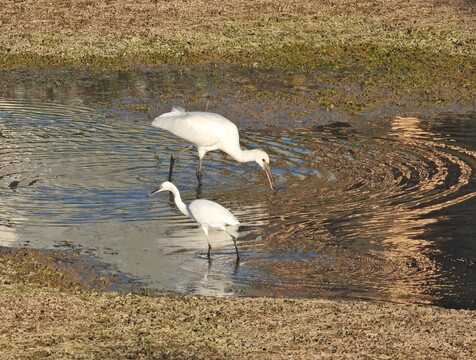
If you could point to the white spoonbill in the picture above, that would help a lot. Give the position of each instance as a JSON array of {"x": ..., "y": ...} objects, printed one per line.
[
  {"x": 208, "y": 214},
  {"x": 208, "y": 132}
]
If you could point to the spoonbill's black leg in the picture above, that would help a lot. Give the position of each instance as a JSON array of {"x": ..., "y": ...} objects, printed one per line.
[
  {"x": 199, "y": 172},
  {"x": 174, "y": 157}
]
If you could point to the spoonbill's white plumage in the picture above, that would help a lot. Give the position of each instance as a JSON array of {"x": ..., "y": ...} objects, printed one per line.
[
  {"x": 208, "y": 132},
  {"x": 209, "y": 214}
]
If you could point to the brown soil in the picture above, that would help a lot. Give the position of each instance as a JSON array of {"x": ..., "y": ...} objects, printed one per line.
[
  {"x": 46, "y": 308},
  {"x": 164, "y": 19},
  {"x": 46, "y": 312},
  {"x": 154, "y": 32}
]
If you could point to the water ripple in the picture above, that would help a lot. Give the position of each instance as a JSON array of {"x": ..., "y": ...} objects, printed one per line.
[{"x": 351, "y": 217}]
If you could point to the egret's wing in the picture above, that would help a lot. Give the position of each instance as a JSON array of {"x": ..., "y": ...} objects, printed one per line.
[{"x": 211, "y": 214}]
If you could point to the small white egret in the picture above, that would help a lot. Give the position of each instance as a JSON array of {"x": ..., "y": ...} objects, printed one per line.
[
  {"x": 208, "y": 214},
  {"x": 208, "y": 132}
]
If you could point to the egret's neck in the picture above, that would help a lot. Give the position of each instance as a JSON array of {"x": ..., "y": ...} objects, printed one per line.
[
  {"x": 178, "y": 201},
  {"x": 242, "y": 155}
]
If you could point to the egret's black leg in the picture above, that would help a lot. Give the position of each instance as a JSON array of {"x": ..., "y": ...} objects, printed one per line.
[
  {"x": 236, "y": 247},
  {"x": 174, "y": 157},
  {"x": 205, "y": 230}
]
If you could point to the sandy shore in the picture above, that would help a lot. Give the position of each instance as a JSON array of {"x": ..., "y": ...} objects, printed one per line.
[{"x": 47, "y": 311}]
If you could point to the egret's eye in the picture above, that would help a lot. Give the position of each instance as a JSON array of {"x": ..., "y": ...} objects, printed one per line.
[{"x": 264, "y": 160}]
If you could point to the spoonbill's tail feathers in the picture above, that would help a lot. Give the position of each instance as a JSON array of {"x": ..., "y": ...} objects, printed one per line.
[{"x": 178, "y": 110}]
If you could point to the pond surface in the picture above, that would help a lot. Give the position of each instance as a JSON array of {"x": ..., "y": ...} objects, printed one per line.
[{"x": 378, "y": 208}]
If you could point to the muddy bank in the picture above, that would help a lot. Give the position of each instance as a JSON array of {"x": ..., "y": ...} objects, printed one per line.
[
  {"x": 43, "y": 317},
  {"x": 65, "y": 271},
  {"x": 253, "y": 98},
  {"x": 357, "y": 56},
  {"x": 351, "y": 58}
]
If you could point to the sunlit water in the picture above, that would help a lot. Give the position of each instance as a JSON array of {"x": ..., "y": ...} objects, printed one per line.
[{"x": 368, "y": 210}]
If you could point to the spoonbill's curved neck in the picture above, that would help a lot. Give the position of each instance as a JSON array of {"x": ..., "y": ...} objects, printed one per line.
[{"x": 241, "y": 155}]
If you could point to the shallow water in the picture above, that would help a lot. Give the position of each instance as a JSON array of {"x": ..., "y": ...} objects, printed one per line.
[{"x": 375, "y": 209}]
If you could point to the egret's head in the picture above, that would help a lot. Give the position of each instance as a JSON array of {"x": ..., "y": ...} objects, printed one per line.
[
  {"x": 262, "y": 159},
  {"x": 166, "y": 185}
]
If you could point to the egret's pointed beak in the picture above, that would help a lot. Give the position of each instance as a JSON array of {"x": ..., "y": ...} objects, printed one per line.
[
  {"x": 272, "y": 183},
  {"x": 155, "y": 191}
]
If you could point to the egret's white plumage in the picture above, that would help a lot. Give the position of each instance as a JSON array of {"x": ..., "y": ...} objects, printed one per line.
[
  {"x": 208, "y": 132},
  {"x": 209, "y": 214}
]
